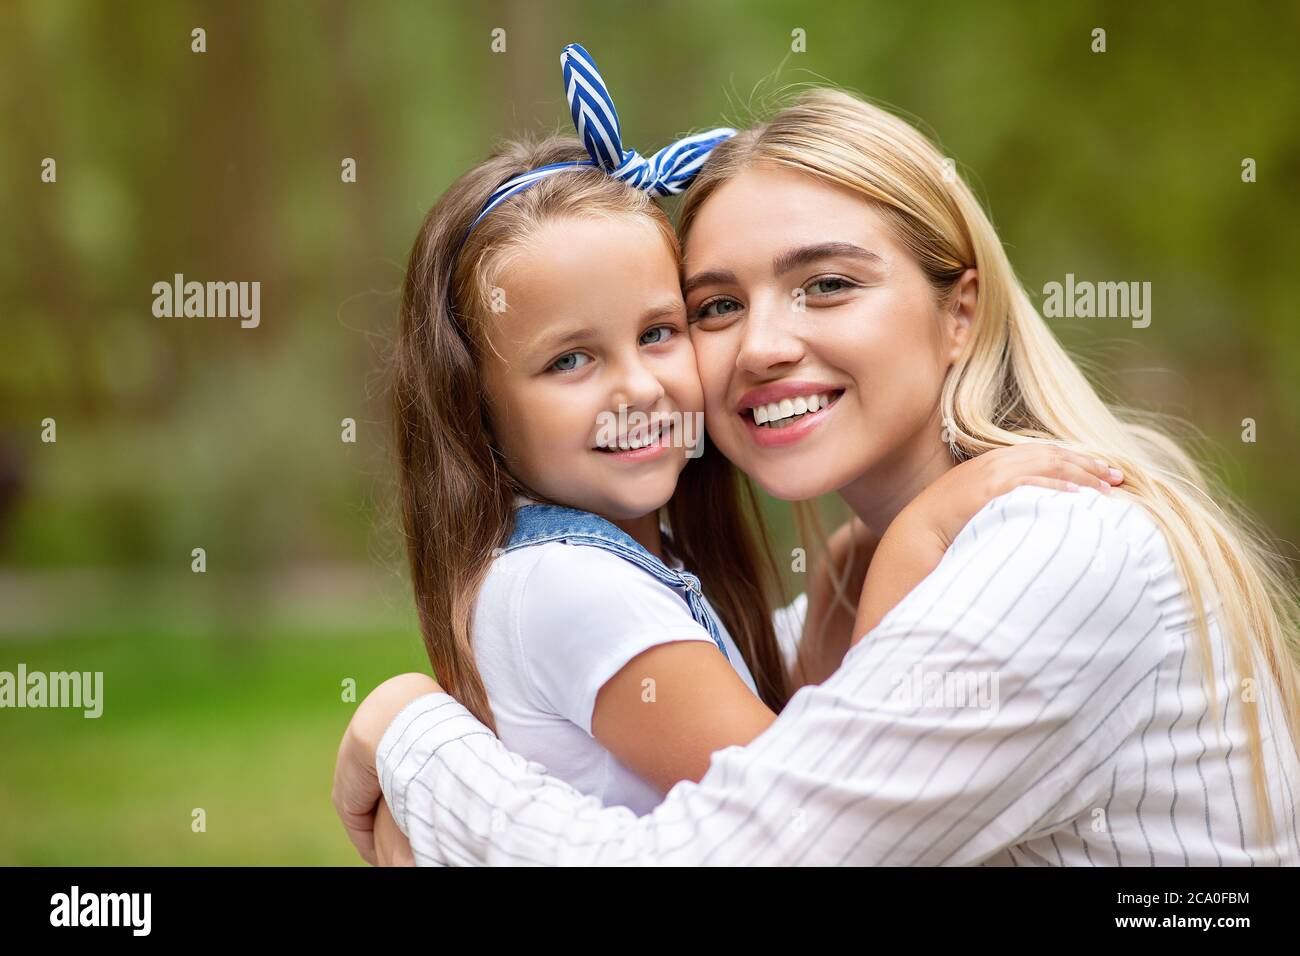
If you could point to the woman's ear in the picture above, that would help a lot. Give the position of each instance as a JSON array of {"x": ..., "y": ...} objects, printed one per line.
[{"x": 958, "y": 321}]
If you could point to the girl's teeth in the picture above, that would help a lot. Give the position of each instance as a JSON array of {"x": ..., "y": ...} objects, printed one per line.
[{"x": 632, "y": 444}]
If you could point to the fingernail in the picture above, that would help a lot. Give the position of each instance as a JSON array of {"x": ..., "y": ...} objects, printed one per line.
[
  {"x": 1116, "y": 475},
  {"x": 1071, "y": 486},
  {"x": 1104, "y": 486}
]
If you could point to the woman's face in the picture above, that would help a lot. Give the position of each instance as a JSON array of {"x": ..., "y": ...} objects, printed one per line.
[{"x": 821, "y": 346}]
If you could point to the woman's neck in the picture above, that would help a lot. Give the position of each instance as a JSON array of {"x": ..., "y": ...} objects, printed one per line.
[{"x": 877, "y": 496}]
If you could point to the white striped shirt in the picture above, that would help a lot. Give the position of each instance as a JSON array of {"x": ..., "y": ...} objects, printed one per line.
[{"x": 1038, "y": 700}]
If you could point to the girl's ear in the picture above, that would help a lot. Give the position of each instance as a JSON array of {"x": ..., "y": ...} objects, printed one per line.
[{"x": 958, "y": 321}]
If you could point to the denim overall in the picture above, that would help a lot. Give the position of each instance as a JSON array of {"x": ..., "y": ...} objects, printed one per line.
[{"x": 538, "y": 524}]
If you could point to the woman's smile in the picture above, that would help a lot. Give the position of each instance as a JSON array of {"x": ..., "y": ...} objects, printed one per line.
[{"x": 783, "y": 413}]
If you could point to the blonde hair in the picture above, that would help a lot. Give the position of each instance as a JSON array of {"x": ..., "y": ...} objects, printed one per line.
[{"x": 1015, "y": 383}]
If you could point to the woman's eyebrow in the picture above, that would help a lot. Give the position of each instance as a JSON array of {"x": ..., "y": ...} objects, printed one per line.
[
  {"x": 794, "y": 258},
  {"x": 711, "y": 277}
]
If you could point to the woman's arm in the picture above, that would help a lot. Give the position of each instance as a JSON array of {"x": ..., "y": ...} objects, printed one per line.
[
  {"x": 356, "y": 789},
  {"x": 391, "y": 846}
]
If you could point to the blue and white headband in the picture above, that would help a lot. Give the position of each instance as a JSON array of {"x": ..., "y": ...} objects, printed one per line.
[{"x": 667, "y": 172}]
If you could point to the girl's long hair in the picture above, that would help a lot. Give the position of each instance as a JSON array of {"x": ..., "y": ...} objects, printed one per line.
[
  {"x": 1016, "y": 384},
  {"x": 456, "y": 492}
]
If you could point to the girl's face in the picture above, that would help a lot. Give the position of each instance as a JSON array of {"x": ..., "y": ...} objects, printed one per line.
[
  {"x": 821, "y": 346},
  {"x": 593, "y": 321}
]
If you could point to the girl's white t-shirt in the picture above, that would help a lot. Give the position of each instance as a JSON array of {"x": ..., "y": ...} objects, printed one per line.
[{"x": 553, "y": 623}]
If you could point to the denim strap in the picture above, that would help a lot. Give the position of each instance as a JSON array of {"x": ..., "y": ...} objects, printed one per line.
[{"x": 538, "y": 524}]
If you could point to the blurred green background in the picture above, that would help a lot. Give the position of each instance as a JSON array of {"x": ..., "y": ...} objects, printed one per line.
[{"x": 223, "y": 690}]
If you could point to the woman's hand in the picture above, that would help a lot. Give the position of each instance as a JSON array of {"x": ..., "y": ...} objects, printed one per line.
[
  {"x": 916, "y": 540},
  {"x": 356, "y": 786},
  {"x": 391, "y": 846}
]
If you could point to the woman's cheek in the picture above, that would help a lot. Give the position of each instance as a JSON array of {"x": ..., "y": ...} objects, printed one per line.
[{"x": 712, "y": 363}]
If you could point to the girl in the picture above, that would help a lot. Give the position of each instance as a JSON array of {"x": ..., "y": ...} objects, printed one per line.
[
  {"x": 1144, "y": 642},
  {"x": 554, "y": 605}
]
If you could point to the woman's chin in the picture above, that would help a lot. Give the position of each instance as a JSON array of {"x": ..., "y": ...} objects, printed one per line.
[{"x": 784, "y": 485}]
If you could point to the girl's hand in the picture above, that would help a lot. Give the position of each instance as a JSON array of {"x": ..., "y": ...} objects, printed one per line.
[
  {"x": 916, "y": 540},
  {"x": 356, "y": 786},
  {"x": 946, "y": 505}
]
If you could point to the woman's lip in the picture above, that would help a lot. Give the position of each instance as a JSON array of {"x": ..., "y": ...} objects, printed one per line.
[
  {"x": 775, "y": 392},
  {"x": 767, "y": 437}
]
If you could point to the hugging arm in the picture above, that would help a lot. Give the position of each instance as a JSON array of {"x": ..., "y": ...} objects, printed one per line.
[{"x": 849, "y": 770}]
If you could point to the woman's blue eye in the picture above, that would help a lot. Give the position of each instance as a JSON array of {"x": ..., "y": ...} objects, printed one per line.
[
  {"x": 567, "y": 363},
  {"x": 836, "y": 285},
  {"x": 660, "y": 333},
  {"x": 716, "y": 308}
]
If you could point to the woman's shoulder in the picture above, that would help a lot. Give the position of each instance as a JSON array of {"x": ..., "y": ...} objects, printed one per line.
[
  {"x": 1126, "y": 535},
  {"x": 1114, "y": 523},
  {"x": 1053, "y": 564}
]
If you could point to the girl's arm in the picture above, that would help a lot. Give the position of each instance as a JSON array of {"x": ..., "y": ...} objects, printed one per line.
[
  {"x": 670, "y": 707},
  {"x": 666, "y": 712},
  {"x": 921, "y": 534}
]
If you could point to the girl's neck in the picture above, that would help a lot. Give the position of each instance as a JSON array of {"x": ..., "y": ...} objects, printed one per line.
[
  {"x": 878, "y": 495},
  {"x": 645, "y": 530}
]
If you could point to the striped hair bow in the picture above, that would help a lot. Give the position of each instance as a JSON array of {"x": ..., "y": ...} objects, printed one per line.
[{"x": 667, "y": 172}]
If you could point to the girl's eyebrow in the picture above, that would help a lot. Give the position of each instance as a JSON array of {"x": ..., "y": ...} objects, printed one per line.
[
  {"x": 547, "y": 343},
  {"x": 664, "y": 311}
]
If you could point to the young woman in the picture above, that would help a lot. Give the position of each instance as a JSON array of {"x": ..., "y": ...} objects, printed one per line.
[{"x": 1141, "y": 643}]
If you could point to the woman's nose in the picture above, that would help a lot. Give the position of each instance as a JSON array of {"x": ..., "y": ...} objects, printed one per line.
[{"x": 767, "y": 339}]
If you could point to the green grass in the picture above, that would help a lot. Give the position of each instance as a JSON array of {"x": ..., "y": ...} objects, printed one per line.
[{"x": 246, "y": 730}]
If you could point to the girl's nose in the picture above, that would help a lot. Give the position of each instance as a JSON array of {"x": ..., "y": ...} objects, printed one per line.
[{"x": 638, "y": 386}]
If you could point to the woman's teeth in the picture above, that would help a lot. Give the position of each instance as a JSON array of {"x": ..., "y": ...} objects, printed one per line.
[{"x": 782, "y": 413}]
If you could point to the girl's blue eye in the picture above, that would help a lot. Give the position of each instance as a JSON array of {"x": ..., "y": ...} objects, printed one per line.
[
  {"x": 717, "y": 307},
  {"x": 567, "y": 363},
  {"x": 660, "y": 333}
]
